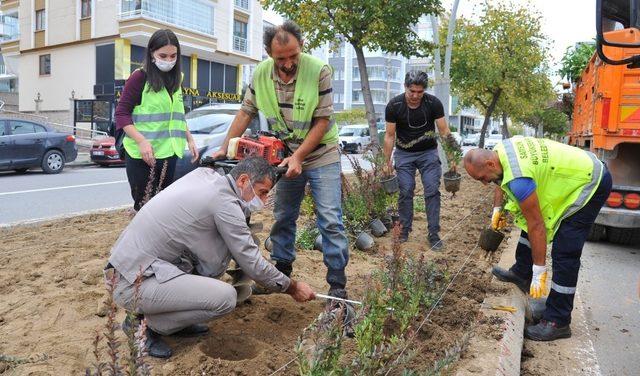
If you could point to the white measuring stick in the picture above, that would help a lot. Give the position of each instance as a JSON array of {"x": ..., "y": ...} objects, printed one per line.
[
  {"x": 323, "y": 296},
  {"x": 344, "y": 300}
]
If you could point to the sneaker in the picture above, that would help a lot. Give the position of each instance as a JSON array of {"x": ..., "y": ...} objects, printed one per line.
[
  {"x": 505, "y": 275},
  {"x": 547, "y": 331},
  {"x": 436, "y": 243}
]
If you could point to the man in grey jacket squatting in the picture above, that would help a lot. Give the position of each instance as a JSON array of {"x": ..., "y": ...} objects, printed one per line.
[{"x": 183, "y": 240}]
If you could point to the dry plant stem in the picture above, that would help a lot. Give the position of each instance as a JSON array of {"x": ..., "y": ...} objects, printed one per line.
[
  {"x": 148, "y": 190},
  {"x": 113, "y": 366},
  {"x": 163, "y": 175}
]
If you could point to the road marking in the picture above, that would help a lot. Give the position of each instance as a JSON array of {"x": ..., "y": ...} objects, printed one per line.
[{"x": 58, "y": 188}]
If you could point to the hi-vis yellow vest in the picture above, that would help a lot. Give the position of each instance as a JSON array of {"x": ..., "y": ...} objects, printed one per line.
[
  {"x": 160, "y": 119},
  {"x": 566, "y": 177},
  {"x": 305, "y": 99}
]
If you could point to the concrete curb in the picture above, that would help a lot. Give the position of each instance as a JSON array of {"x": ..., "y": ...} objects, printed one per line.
[
  {"x": 82, "y": 160},
  {"x": 493, "y": 356}
]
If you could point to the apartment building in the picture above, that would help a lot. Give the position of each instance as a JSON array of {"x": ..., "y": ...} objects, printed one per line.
[
  {"x": 386, "y": 75},
  {"x": 59, "y": 50}
]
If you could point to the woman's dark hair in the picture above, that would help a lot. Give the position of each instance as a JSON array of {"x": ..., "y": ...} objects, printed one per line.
[
  {"x": 155, "y": 77},
  {"x": 416, "y": 78},
  {"x": 281, "y": 33}
]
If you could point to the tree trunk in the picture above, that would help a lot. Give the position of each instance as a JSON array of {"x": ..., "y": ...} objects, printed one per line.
[
  {"x": 487, "y": 116},
  {"x": 540, "y": 131},
  {"x": 366, "y": 93},
  {"x": 505, "y": 126}
]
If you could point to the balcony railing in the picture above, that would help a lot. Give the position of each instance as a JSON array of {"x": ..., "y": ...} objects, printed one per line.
[
  {"x": 193, "y": 15},
  {"x": 240, "y": 44},
  {"x": 243, "y": 4},
  {"x": 9, "y": 28}
]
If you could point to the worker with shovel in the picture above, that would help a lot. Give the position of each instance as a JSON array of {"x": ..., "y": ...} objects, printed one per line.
[
  {"x": 182, "y": 240},
  {"x": 554, "y": 192}
]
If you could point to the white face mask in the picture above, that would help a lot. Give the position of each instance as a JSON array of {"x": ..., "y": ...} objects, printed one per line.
[
  {"x": 255, "y": 204},
  {"x": 165, "y": 66}
]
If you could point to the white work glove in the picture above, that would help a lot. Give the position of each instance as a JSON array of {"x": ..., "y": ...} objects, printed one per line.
[
  {"x": 495, "y": 217},
  {"x": 538, "y": 287}
]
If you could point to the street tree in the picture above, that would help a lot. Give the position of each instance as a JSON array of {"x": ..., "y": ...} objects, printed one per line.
[
  {"x": 365, "y": 24},
  {"x": 549, "y": 121},
  {"x": 575, "y": 59},
  {"x": 499, "y": 61}
]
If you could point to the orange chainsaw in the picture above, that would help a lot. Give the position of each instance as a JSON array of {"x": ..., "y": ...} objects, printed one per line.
[{"x": 264, "y": 145}]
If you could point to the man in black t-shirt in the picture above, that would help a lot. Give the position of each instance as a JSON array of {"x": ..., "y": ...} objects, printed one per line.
[{"x": 411, "y": 120}]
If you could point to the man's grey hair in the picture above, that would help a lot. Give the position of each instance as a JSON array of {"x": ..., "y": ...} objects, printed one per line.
[
  {"x": 281, "y": 33},
  {"x": 416, "y": 77},
  {"x": 257, "y": 168}
]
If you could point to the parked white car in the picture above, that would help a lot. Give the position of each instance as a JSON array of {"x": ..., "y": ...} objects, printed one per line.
[
  {"x": 471, "y": 139},
  {"x": 354, "y": 138},
  {"x": 492, "y": 140},
  {"x": 457, "y": 136}
]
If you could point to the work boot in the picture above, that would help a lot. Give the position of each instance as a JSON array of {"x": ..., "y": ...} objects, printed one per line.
[
  {"x": 193, "y": 330},
  {"x": 154, "y": 345},
  {"x": 348, "y": 312},
  {"x": 505, "y": 275},
  {"x": 547, "y": 331},
  {"x": 285, "y": 268},
  {"x": 436, "y": 243}
]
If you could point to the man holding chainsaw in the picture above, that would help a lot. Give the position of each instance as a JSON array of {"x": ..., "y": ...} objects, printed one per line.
[{"x": 293, "y": 90}]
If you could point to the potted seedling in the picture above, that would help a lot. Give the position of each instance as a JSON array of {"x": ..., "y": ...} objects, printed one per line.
[
  {"x": 490, "y": 238},
  {"x": 453, "y": 153}
]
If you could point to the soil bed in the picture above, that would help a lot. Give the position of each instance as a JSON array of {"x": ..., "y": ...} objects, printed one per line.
[{"x": 51, "y": 287}]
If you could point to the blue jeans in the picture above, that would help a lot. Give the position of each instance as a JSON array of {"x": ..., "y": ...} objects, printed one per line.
[
  {"x": 565, "y": 255},
  {"x": 428, "y": 163},
  {"x": 326, "y": 190}
]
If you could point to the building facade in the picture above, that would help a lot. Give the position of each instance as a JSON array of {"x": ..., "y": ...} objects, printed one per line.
[
  {"x": 386, "y": 75},
  {"x": 59, "y": 50}
]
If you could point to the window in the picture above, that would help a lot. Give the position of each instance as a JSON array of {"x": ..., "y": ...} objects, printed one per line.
[
  {"x": 21, "y": 127},
  {"x": 45, "y": 65},
  {"x": 2, "y": 129},
  {"x": 41, "y": 19},
  {"x": 85, "y": 8},
  {"x": 240, "y": 29}
]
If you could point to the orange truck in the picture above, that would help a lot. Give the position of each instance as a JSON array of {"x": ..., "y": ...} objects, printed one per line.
[{"x": 606, "y": 121}]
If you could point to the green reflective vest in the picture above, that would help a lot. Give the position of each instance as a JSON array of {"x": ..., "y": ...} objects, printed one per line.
[
  {"x": 161, "y": 121},
  {"x": 566, "y": 177},
  {"x": 305, "y": 99}
]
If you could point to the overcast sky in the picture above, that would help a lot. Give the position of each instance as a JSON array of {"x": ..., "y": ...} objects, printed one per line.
[{"x": 565, "y": 22}]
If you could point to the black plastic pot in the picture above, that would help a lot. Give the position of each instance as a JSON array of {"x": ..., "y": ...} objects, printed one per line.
[
  {"x": 378, "y": 228},
  {"x": 490, "y": 239},
  {"x": 390, "y": 184},
  {"x": 451, "y": 181},
  {"x": 317, "y": 244},
  {"x": 365, "y": 242}
]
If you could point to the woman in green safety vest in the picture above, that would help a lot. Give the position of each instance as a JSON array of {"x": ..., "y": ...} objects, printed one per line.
[{"x": 151, "y": 113}]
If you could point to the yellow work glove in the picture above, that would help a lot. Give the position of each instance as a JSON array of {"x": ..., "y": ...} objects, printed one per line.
[
  {"x": 538, "y": 287},
  {"x": 495, "y": 217}
]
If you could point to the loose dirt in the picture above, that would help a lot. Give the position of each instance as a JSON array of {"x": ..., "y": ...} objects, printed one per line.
[{"x": 52, "y": 292}]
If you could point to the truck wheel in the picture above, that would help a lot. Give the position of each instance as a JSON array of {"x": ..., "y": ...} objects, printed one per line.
[
  {"x": 596, "y": 233},
  {"x": 624, "y": 236}
]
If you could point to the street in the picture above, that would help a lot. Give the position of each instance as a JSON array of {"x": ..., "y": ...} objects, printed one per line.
[
  {"x": 36, "y": 195},
  {"x": 608, "y": 286}
]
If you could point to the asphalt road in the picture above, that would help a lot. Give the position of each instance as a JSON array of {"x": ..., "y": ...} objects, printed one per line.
[
  {"x": 608, "y": 286},
  {"x": 36, "y": 195}
]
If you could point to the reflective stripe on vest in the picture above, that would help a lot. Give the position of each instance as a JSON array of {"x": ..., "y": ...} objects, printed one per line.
[
  {"x": 160, "y": 119},
  {"x": 565, "y": 179},
  {"x": 146, "y": 118}
]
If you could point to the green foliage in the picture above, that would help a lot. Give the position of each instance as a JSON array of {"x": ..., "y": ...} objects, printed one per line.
[
  {"x": 554, "y": 122},
  {"x": 385, "y": 323},
  {"x": 365, "y": 24},
  {"x": 308, "y": 207},
  {"x": 499, "y": 63},
  {"x": 418, "y": 204},
  {"x": 306, "y": 237},
  {"x": 353, "y": 116},
  {"x": 575, "y": 59}
]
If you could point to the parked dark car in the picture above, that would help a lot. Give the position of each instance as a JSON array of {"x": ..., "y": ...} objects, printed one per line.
[
  {"x": 26, "y": 144},
  {"x": 209, "y": 125},
  {"x": 103, "y": 152}
]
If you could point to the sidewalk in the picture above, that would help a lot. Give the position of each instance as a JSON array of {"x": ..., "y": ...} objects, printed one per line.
[{"x": 82, "y": 160}]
